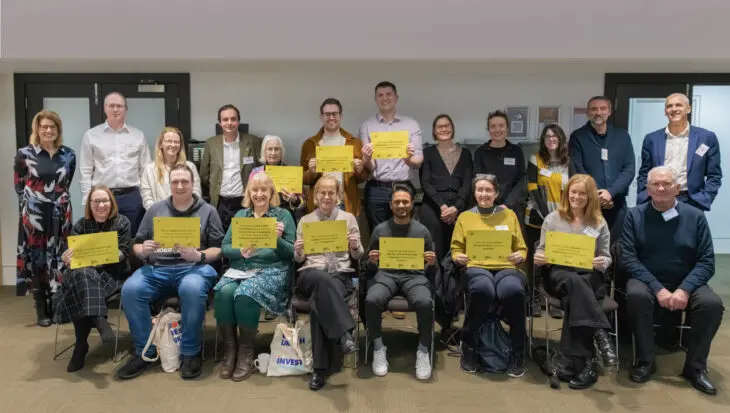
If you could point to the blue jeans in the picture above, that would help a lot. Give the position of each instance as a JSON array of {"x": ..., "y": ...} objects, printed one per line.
[
  {"x": 377, "y": 204},
  {"x": 150, "y": 283}
]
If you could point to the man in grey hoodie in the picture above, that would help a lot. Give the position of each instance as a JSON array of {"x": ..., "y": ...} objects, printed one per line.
[{"x": 184, "y": 271}]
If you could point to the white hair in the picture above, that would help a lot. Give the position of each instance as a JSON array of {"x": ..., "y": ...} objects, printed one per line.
[
  {"x": 682, "y": 96},
  {"x": 662, "y": 169},
  {"x": 267, "y": 139}
]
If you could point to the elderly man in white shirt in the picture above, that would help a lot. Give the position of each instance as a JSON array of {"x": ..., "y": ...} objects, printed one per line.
[{"x": 114, "y": 154}]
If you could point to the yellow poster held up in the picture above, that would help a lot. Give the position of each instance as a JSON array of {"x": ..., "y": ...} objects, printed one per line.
[
  {"x": 183, "y": 231},
  {"x": 324, "y": 236},
  {"x": 402, "y": 253},
  {"x": 253, "y": 232},
  {"x": 487, "y": 245},
  {"x": 288, "y": 178},
  {"x": 390, "y": 145},
  {"x": 91, "y": 250},
  {"x": 570, "y": 250},
  {"x": 334, "y": 158}
]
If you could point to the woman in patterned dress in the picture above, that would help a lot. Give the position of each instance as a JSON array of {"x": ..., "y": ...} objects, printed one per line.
[
  {"x": 83, "y": 293},
  {"x": 43, "y": 173},
  {"x": 239, "y": 302}
]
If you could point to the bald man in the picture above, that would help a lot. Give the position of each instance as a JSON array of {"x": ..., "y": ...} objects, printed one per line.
[{"x": 693, "y": 153}]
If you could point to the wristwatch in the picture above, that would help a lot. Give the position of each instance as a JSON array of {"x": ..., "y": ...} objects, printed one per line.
[{"x": 202, "y": 258}]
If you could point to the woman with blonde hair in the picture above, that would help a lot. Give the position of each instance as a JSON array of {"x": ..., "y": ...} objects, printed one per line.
[
  {"x": 43, "y": 173},
  {"x": 81, "y": 298},
  {"x": 155, "y": 182},
  {"x": 238, "y": 302},
  {"x": 580, "y": 290}
]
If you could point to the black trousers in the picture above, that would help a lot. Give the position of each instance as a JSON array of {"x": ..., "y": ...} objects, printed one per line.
[
  {"x": 704, "y": 309},
  {"x": 500, "y": 291},
  {"x": 417, "y": 291},
  {"x": 580, "y": 294},
  {"x": 615, "y": 217},
  {"x": 532, "y": 236},
  {"x": 227, "y": 208},
  {"x": 441, "y": 232},
  {"x": 330, "y": 316}
]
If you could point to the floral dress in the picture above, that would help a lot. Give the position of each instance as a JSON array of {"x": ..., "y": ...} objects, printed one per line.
[{"x": 42, "y": 183}]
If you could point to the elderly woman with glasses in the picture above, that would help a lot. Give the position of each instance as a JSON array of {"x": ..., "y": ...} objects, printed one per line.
[{"x": 272, "y": 153}]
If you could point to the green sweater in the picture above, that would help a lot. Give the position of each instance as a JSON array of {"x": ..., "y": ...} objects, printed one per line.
[{"x": 279, "y": 257}]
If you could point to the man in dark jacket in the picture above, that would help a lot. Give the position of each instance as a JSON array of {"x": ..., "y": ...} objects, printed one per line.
[{"x": 605, "y": 153}]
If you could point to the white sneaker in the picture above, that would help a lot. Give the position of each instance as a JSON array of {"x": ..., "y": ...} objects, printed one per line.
[
  {"x": 423, "y": 365},
  {"x": 380, "y": 362}
]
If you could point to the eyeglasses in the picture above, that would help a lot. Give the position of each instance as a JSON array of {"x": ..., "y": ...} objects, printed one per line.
[
  {"x": 98, "y": 202},
  {"x": 551, "y": 137},
  {"x": 116, "y": 106},
  {"x": 47, "y": 127},
  {"x": 332, "y": 115},
  {"x": 171, "y": 142}
]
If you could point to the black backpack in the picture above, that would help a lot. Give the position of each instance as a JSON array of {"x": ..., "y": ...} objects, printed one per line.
[{"x": 493, "y": 346}]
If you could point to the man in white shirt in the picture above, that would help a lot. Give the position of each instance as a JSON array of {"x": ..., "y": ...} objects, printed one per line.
[{"x": 114, "y": 154}]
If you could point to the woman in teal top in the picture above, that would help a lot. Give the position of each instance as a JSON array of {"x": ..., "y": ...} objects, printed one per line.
[{"x": 239, "y": 302}]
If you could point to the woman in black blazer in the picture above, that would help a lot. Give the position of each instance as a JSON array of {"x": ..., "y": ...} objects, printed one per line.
[{"x": 445, "y": 177}]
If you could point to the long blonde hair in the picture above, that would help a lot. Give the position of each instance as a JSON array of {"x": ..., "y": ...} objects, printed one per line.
[
  {"x": 35, "y": 140},
  {"x": 274, "y": 201},
  {"x": 593, "y": 215},
  {"x": 160, "y": 157}
]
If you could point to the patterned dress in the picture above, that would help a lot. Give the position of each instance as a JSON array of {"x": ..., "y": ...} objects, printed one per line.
[
  {"x": 42, "y": 183},
  {"x": 83, "y": 291},
  {"x": 270, "y": 288}
]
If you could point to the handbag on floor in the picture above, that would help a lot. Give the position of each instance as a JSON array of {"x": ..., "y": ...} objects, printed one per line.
[
  {"x": 493, "y": 346},
  {"x": 165, "y": 336},
  {"x": 291, "y": 350}
]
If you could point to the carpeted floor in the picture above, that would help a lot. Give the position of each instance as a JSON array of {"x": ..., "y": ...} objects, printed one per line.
[{"x": 31, "y": 381}]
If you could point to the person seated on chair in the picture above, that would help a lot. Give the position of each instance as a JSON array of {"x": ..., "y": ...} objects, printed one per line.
[
  {"x": 238, "y": 302},
  {"x": 182, "y": 270},
  {"x": 414, "y": 285},
  {"x": 326, "y": 280},
  {"x": 493, "y": 283},
  {"x": 580, "y": 290},
  {"x": 81, "y": 299},
  {"x": 667, "y": 254}
]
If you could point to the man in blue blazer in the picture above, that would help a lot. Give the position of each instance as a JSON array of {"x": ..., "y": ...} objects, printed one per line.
[{"x": 692, "y": 152}]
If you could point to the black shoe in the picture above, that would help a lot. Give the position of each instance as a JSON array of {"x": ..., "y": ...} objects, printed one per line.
[
  {"x": 105, "y": 330},
  {"x": 191, "y": 367},
  {"x": 642, "y": 371},
  {"x": 469, "y": 361},
  {"x": 699, "y": 380},
  {"x": 536, "y": 309},
  {"x": 269, "y": 316},
  {"x": 133, "y": 368},
  {"x": 555, "y": 312},
  {"x": 347, "y": 343},
  {"x": 605, "y": 348},
  {"x": 41, "y": 310},
  {"x": 587, "y": 377},
  {"x": 78, "y": 357},
  {"x": 516, "y": 367},
  {"x": 317, "y": 381}
]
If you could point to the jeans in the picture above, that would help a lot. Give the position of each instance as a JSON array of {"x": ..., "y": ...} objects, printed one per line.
[{"x": 151, "y": 283}]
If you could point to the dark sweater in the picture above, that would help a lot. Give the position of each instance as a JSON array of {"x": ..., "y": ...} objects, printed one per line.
[
  {"x": 615, "y": 174},
  {"x": 390, "y": 229},
  {"x": 671, "y": 254},
  {"x": 508, "y": 165},
  {"x": 439, "y": 186}
]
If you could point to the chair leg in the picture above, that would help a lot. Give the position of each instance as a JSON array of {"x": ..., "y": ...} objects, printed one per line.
[
  {"x": 615, "y": 329},
  {"x": 433, "y": 332},
  {"x": 116, "y": 336},
  {"x": 547, "y": 326},
  {"x": 367, "y": 345},
  {"x": 202, "y": 337}
]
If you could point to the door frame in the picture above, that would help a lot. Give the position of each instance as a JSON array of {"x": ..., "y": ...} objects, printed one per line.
[{"x": 22, "y": 128}]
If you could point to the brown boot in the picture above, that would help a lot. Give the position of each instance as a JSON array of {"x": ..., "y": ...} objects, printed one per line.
[
  {"x": 230, "y": 342},
  {"x": 244, "y": 365}
]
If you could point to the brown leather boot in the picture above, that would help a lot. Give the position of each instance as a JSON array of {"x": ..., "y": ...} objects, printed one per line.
[
  {"x": 230, "y": 342},
  {"x": 244, "y": 364}
]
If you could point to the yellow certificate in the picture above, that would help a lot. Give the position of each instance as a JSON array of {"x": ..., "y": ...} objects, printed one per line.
[
  {"x": 334, "y": 158},
  {"x": 324, "y": 236},
  {"x": 571, "y": 250},
  {"x": 183, "y": 231},
  {"x": 91, "y": 250},
  {"x": 401, "y": 253},
  {"x": 288, "y": 178},
  {"x": 390, "y": 145},
  {"x": 253, "y": 232},
  {"x": 488, "y": 245}
]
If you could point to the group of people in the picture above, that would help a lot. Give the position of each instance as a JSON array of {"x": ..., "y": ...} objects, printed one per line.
[{"x": 574, "y": 186}]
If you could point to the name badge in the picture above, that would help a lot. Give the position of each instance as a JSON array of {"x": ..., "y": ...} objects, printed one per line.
[
  {"x": 247, "y": 160},
  {"x": 509, "y": 161},
  {"x": 591, "y": 232},
  {"x": 545, "y": 172},
  {"x": 702, "y": 150},
  {"x": 502, "y": 228},
  {"x": 669, "y": 214},
  {"x": 604, "y": 154}
]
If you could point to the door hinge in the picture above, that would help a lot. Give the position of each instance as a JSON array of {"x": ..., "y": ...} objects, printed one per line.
[
  {"x": 96, "y": 93},
  {"x": 26, "y": 103},
  {"x": 178, "y": 103}
]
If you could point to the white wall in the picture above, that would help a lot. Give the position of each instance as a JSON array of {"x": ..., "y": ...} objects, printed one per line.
[{"x": 8, "y": 199}]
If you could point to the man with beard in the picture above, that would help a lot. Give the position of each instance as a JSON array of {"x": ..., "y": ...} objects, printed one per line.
[{"x": 605, "y": 153}]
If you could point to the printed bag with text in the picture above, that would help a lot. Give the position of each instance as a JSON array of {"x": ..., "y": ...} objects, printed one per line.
[
  {"x": 166, "y": 335},
  {"x": 291, "y": 350}
]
